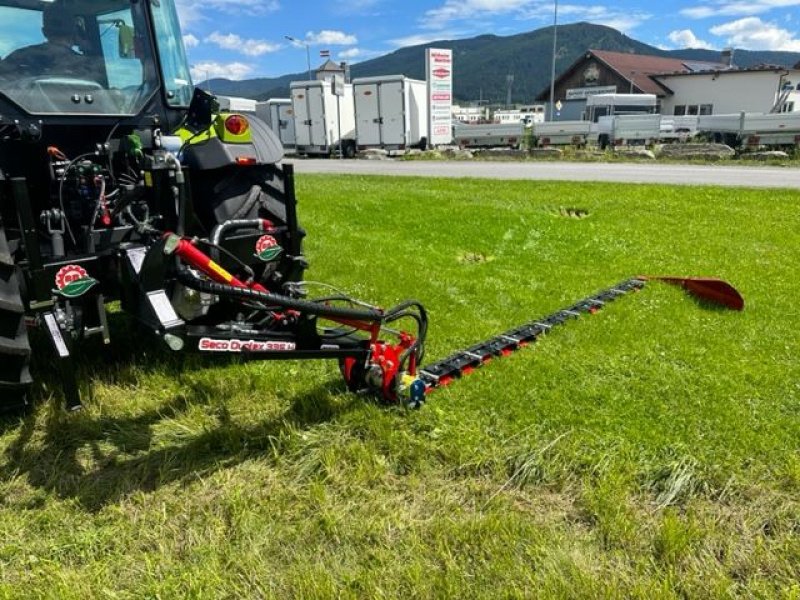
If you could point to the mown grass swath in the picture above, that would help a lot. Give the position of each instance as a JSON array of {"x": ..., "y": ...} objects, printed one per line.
[{"x": 649, "y": 451}]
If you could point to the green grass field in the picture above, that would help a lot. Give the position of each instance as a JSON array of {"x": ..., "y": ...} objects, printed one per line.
[{"x": 652, "y": 451}]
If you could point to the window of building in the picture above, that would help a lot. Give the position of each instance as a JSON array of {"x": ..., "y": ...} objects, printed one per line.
[
  {"x": 692, "y": 110},
  {"x": 680, "y": 110},
  {"x": 706, "y": 109}
]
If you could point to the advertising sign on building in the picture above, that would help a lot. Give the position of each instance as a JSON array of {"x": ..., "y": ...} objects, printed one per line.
[
  {"x": 584, "y": 93},
  {"x": 440, "y": 94}
]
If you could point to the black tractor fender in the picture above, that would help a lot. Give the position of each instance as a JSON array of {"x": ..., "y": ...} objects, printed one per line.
[{"x": 265, "y": 148}]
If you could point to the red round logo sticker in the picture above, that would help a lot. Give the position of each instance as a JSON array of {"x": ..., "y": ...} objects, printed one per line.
[
  {"x": 73, "y": 281},
  {"x": 268, "y": 249}
]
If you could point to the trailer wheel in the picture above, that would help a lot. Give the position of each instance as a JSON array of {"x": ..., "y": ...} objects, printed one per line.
[
  {"x": 604, "y": 141},
  {"x": 350, "y": 149},
  {"x": 15, "y": 349}
]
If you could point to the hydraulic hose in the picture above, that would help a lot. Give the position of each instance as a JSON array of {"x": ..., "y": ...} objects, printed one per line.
[{"x": 190, "y": 280}]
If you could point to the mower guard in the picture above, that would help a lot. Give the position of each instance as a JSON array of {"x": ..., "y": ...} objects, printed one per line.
[{"x": 711, "y": 290}]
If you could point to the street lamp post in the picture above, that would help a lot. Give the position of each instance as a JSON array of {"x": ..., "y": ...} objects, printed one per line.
[
  {"x": 308, "y": 51},
  {"x": 208, "y": 76},
  {"x": 553, "y": 72}
]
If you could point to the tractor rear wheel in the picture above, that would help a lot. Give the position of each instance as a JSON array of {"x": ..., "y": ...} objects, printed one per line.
[{"x": 15, "y": 349}]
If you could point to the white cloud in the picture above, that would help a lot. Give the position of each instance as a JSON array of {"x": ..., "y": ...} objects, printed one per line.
[
  {"x": 358, "y": 7},
  {"x": 420, "y": 39},
  {"x": 350, "y": 53},
  {"x": 354, "y": 55},
  {"x": 685, "y": 38},
  {"x": 455, "y": 10},
  {"x": 328, "y": 37},
  {"x": 231, "y": 41},
  {"x": 191, "y": 11},
  {"x": 736, "y": 8},
  {"x": 601, "y": 15},
  {"x": 203, "y": 71},
  {"x": 751, "y": 33},
  {"x": 541, "y": 10},
  {"x": 190, "y": 41}
]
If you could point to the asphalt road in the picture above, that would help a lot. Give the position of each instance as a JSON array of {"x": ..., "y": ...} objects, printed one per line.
[{"x": 728, "y": 175}]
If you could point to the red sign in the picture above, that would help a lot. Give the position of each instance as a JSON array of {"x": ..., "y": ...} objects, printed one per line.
[
  {"x": 441, "y": 97},
  {"x": 442, "y": 73}
]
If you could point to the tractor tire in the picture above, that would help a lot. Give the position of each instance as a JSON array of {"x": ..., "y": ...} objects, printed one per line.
[{"x": 15, "y": 349}]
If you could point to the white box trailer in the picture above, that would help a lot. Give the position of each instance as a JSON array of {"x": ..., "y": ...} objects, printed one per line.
[
  {"x": 316, "y": 118},
  {"x": 489, "y": 136},
  {"x": 236, "y": 105},
  {"x": 391, "y": 112},
  {"x": 278, "y": 114}
]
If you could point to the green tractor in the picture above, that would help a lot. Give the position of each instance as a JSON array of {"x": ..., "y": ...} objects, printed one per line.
[{"x": 121, "y": 182}]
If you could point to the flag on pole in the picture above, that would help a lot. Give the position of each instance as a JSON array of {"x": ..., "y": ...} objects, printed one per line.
[{"x": 324, "y": 53}]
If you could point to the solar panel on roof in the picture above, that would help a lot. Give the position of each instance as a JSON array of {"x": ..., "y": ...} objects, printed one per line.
[{"x": 696, "y": 67}]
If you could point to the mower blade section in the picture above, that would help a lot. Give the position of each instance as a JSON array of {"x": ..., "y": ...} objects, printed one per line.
[
  {"x": 462, "y": 363},
  {"x": 715, "y": 291}
]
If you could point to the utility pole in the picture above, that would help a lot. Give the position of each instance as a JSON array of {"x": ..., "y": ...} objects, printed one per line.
[
  {"x": 308, "y": 51},
  {"x": 553, "y": 72}
]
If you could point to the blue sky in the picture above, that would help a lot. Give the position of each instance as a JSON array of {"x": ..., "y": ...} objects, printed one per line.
[{"x": 241, "y": 39}]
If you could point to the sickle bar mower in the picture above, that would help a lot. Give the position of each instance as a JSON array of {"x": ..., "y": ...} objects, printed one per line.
[{"x": 446, "y": 371}]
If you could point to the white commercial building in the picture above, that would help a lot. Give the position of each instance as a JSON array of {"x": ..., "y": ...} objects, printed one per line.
[
  {"x": 524, "y": 114},
  {"x": 470, "y": 114},
  {"x": 757, "y": 90}
]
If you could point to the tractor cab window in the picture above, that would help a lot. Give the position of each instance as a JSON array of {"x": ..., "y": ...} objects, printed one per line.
[
  {"x": 177, "y": 79},
  {"x": 118, "y": 43},
  {"x": 76, "y": 57}
]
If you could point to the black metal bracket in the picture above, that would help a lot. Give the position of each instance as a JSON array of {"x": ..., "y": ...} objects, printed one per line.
[{"x": 62, "y": 346}]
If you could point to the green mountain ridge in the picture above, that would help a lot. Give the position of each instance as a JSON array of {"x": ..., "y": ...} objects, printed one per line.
[{"x": 482, "y": 64}]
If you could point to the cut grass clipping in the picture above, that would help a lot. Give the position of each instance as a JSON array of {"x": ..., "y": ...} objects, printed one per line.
[{"x": 648, "y": 452}]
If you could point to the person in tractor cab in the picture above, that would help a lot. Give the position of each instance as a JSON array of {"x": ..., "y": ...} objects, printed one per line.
[{"x": 57, "y": 56}]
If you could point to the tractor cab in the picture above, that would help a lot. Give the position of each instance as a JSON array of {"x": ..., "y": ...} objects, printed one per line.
[{"x": 99, "y": 58}]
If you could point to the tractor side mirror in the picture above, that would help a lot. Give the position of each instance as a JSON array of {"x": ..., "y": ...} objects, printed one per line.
[
  {"x": 126, "y": 40},
  {"x": 201, "y": 111}
]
